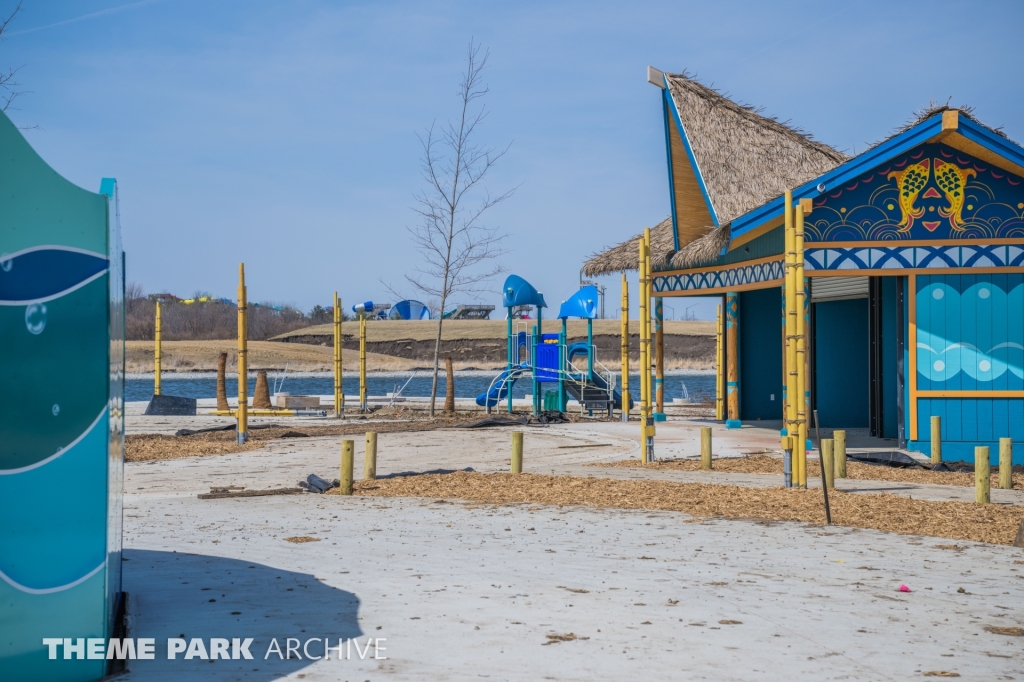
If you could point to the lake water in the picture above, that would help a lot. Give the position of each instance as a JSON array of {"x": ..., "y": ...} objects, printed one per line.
[{"x": 700, "y": 387}]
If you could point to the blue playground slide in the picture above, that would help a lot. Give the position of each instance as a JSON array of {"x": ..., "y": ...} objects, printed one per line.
[{"x": 502, "y": 385}]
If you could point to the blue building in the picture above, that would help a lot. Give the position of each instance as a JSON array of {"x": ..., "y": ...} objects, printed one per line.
[{"x": 913, "y": 263}]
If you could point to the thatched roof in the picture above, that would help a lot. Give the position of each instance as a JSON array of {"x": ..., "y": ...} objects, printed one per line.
[{"x": 745, "y": 159}]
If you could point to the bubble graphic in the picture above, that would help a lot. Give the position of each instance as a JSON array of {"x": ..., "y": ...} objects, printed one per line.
[
  {"x": 939, "y": 365},
  {"x": 6, "y": 262},
  {"x": 984, "y": 365},
  {"x": 56, "y": 409},
  {"x": 983, "y": 293},
  {"x": 937, "y": 294},
  {"x": 35, "y": 317}
]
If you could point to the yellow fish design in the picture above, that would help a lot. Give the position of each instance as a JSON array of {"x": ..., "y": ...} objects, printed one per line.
[
  {"x": 952, "y": 180},
  {"x": 910, "y": 181}
]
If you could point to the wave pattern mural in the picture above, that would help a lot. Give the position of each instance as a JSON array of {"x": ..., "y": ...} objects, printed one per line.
[
  {"x": 61, "y": 335},
  {"x": 970, "y": 332}
]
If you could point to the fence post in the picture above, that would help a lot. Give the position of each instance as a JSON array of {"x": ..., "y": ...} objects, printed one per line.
[
  {"x": 840, "y": 453},
  {"x": 936, "y": 440},
  {"x": 828, "y": 457},
  {"x": 517, "y": 452},
  {"x": 705, "y": 448},
  {"x": 347, "y": 450},
  {"x": 981, "y": 474},
  {"x": 370, "y": 457}
]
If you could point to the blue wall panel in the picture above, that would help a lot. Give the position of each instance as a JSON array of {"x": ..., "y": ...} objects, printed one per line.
[
  {"x": 841, "y": 363},
  {"x": 760, "y": 355}
]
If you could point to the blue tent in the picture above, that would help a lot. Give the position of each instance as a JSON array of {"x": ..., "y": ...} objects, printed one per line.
[{"x": 409, "y": 310}]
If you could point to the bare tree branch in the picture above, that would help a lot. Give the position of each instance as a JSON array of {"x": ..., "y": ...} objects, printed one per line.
[
  {"x": 8, "y": 85},
  {"x": 451, "y": 237}
]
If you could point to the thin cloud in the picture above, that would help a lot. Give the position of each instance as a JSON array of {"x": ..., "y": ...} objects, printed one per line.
[{"x": 91, "y": 15}]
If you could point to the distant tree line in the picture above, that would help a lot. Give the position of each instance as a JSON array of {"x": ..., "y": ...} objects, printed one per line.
[{"x": 212, "y": 318}]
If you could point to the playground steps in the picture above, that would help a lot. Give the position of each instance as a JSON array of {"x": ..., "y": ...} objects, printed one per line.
[{"x": 590, "y": 396}]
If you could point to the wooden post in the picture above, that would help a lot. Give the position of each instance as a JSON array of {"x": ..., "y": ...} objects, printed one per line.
[
  {"x": 347, "y": 452},
  {"x": 732, "y": 363},
  {"x": 242, "y": 414},
  {"x": 157, "y": 351},
  {"x": 625, "y": 349},
  {"x": 222, "y": 392},
  {"x": 705, "y": 448},
  {"x": 370, "y": 457},
  {"x": 517, "y": 452},
  {"x": 840, "y": 448},
  {"x": 828, "y": 455},
  {"x": 261, "y": 396},
  {"x": 936, "y": 440},
  {"x": 1006, "y": 463},
  {"x": 981, "y": 475},
  {"x": 362, "y": 364},
  {"x": 339, "y": 389},
  {"x": 449, "y": 386}
]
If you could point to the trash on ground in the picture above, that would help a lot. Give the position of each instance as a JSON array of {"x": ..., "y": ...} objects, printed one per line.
[
  {"x": 249, "y": 493},
  {"x": 315, "y": 484}
]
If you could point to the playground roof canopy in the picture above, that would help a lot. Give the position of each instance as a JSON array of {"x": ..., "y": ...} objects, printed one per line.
[
  {"x": 517, "y": 291},
  {"x": 582, "y": 304}
]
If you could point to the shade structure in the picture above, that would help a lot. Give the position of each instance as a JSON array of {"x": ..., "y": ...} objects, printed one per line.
[{"x": 582, "y": 304}]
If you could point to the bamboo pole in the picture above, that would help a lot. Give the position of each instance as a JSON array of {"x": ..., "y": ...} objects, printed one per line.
[
  {"x": 339, "y": 389},
  {"x": 625, "y": 349},
  {"x": 517, "y": 452},
  {"x": 792, "y": 431},
  {"x": 157, "y": 351},
  {"x": 936, "y": 439},
  {"x": 719, "y": 369},
  {"x": 802, "y": 397},
  {"x": 649, "y": 335},
  {"x": 362, "y": 364},
  {"x": 243, "y": 358},
  {"x": 982, "y": 476},
  {"x": 1006, "y": 463},
  {"x": 645, "y": 365},
  {"x": 840, "y": 439},
  {"x": 659, "y": 356},
  {"x": 370, "y": 457},
  {"x": 347, "y": 458}
]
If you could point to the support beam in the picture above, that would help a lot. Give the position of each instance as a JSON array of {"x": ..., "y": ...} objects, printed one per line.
[
  {"x": 625, "y": 349},
  {"x": 157, "y": 351},
  {"x": 659, "y": 360},
  {"x": 243, "y": 359},
  {"x": 732, "y": 363},
  {"x": 719, "y": 367},
  {"x": 339, "y": 393}
]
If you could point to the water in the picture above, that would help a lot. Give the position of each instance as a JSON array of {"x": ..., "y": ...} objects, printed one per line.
[{"x": 699, "y": 386}]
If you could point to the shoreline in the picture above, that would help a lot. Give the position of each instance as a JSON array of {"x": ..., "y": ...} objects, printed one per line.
[{"x": 212, "y": 374}]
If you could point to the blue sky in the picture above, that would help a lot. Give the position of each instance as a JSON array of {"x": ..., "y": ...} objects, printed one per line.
[{"x": 283, "y": 134}]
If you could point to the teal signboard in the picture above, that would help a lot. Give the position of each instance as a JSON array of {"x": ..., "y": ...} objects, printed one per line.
[{"x": 61, "y": 436}]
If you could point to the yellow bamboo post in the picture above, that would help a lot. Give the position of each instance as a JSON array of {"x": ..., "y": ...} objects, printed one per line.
[
  {"x": 705, "y": 448},
  {"x": 1006, "y": 463},
  {"x": 339, "y": 390},
  {"x": 981, "y": 475},
  {"x": 792, "y": 431},
  {"x": 517, "y": 452},
  {"x": 347, "y": 459},
  {"x": 936, "y": 440},
  {"x": 828, "y": 456},
  {"x": 645, "y": 364},
  {"x": 802, "y": 396},
  {"x": 625, "y": 349},
  {"x": 659, "y": 355},
  {"x": 648, "y": 297},
  {"x": 157, "y": 348},
  {"x": 362, "y": 364},
  {"x": 719, "y": 369},
  {"x": 840, "y": 439},
  {"x": 370, "y": 457},
  {"x": 242, "y": 414}
]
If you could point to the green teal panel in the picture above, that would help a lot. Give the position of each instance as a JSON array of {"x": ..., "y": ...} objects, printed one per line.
[
  {"x": 41, "y": 207},
  {"x": 841, "y": 363},
  {"x": 760, "y": 355},
  {"x": 771, "y": 243},
  {"x": 890, "y": 352}
]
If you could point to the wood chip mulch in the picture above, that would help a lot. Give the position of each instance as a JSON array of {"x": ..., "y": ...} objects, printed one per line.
[
  {"x": 766, "y": 464},
  {"x": 991, "y": 523}
]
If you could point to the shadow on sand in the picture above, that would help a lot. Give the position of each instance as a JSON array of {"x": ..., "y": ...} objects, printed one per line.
[{"x": 174, "y": 594}]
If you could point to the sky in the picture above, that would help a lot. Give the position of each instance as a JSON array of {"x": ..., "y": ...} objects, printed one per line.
[{"x": 284, "y": 134}]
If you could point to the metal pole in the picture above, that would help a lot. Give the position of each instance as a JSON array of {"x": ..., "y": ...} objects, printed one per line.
[
  {"x": 339, "y": 392},
  {"x": 157, "y": 348},
  {"x": 563, "y": 363},
  {"x": 513, "y": 352},
  {"x": 625, "y": 349},
  {"x": 242, "y": 414}
]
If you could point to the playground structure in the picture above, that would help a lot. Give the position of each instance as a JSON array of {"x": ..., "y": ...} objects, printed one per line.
[
  {"x": 469, "y": 312},
  {"x": 550, "y": 360}
]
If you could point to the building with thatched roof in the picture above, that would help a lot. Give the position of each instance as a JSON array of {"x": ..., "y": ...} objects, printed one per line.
[{"x": 913, "y": 261}]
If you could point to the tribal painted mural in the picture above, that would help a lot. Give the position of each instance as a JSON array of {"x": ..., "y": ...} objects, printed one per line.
[{"x": 931, "y": 192}]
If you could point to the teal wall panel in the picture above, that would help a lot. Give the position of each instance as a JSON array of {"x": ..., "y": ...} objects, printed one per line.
[
  {"x": 760, "y": 355},
  {"x": 841, "y": 363},
  {"x": 890, "y": 352}
]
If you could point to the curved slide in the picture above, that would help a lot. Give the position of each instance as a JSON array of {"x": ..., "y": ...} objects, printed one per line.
[{"x": 501, "y": 386}]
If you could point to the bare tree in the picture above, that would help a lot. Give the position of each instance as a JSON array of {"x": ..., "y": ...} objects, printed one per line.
[
  {"x": 451, "y": 236},
  {"x": 8, "y": 86}
]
